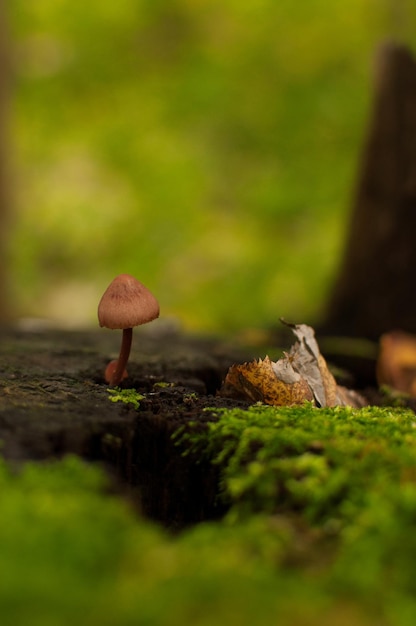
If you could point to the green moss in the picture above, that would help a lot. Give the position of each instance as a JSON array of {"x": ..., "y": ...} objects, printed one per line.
[
  {"x": 128, "y": 396},
  {"x": 73, "y": 554},
  {"x": 162, "y": 385},
  {"x": 377, "y": 553},
  {"x": 321, "y": 525},
  {"x": 345, "y": 477},
  {"x": 56, "y": 538},
  {"x": 320, "y": 462}
]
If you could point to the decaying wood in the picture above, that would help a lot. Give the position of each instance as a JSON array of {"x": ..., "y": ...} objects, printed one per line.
[
  {"x": 54, "y": 401},
  {"x": 374, "y": 291}
]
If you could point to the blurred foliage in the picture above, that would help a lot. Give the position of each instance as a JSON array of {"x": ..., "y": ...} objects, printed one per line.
[{"x": 207, "y": 147}]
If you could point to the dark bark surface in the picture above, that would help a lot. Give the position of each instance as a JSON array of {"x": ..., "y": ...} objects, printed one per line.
[
  {"x": 374, "y": 289},
  {"x": 54, "y": 401}
]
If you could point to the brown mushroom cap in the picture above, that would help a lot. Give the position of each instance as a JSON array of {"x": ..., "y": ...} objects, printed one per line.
[{"x": 126, "y": 303}]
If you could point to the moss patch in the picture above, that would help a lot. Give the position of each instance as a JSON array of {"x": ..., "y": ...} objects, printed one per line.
[
  {"x": 322, "y": 463},
  {"x": 72, "y": 553},
  {"x": 127, "y": 396},
  {"x": 320, "y": 531}
]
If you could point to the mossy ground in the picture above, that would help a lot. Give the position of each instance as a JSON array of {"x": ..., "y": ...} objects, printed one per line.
[{"x": 321, "y": 530}]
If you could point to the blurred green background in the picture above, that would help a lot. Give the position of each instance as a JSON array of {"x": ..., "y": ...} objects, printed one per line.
[{"x": 208, "y": 147}]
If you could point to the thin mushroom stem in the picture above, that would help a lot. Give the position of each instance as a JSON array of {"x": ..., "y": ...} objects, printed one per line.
[{"x": 123, "y": 357}]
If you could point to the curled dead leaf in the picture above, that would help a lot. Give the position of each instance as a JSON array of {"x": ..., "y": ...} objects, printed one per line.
[
  {"x": 259, "y": 381},
  {"x": 301, "y": 375},
  {"x": 309, "y": 362}
]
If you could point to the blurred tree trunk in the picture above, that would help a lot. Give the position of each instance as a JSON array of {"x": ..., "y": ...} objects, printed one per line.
[
  {"x": 376, "y": 287},
  {"x": 4, "y": 154}
]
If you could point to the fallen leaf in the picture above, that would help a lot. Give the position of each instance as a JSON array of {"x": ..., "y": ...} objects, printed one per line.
[
  {"x": 309, "y": 362},
  {"x": 299, "y": 376},
  {"x": 268, "y": 382}
]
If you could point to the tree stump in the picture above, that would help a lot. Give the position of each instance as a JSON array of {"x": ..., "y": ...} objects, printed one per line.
[
  {"x": 54, "y": 401},
  {"x": 374, "y": 291}
]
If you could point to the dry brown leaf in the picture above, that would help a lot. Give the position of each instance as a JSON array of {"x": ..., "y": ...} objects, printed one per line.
[
  {"x": 309, "y": 363},
  {"x": 258, "y": 381},
  {"x": 396, "y": 364},
  {"x": 329, "y": 384},
  {"x": 301, "y": 375}
]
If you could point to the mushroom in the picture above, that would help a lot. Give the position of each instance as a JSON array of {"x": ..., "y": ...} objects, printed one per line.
[{"x": 125, "y": 303}]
